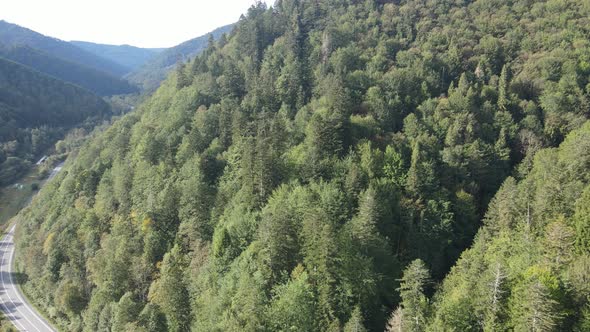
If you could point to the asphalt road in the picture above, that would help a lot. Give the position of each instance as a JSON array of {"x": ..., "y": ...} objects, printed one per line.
[
  {"x": 55, "y": 171},
  {"x": 12, "y": 301}
]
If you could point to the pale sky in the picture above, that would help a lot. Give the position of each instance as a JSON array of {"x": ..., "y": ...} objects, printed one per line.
[{"x": 142, "y": 23}]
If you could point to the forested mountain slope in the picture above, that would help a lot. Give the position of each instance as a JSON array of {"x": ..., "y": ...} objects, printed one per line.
[
  {"x": 529, "y": 268},
  {"x": 14, "y": 35},
  {"x": 35, "y": 110},
  {"x": 284, "y": 178},
  {"x": 126, "y": 55},
  {"x": 153, "y": 72},
  {"x": 89, "y": 78}
]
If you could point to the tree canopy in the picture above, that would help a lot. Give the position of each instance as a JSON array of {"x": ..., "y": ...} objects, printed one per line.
[
  {"x": 325, "y": 166},
  {"x": 35, "y": 111}
]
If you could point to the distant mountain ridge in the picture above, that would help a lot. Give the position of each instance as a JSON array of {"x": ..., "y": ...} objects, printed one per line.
[
  {"x": 100, "y": 82},
  {"x": 101, "y": 68},
  {"x": 17, "y": 80},
  {"x": 155, "y": 70},
  {"x": 129, "y": 56},
  {"x": 63, "y": 60},
  {"x": 15, "y": 35},
  {"x": 35, "y": 111}
]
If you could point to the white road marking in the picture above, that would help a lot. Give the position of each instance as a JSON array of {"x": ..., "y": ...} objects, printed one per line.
[
  {"x": 37, "y": 322},
  {"x": 14, "y": 319},
  {"x": 25, "y": 304}
]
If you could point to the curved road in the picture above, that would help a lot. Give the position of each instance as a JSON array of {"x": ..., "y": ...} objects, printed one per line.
[{"x": 12, "y": 302}]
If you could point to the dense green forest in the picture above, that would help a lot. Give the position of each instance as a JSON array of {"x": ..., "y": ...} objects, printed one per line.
[
  {"x": 14, "y": 35},
  {"x": 126, "y": 55},
  {"x": 35, "y": 111},
  {"x": 154, "y": 71},
  {"x": 323, "y": 168},
  {"x": 89, "y": 78},
  {"x": 529, "y": 267}
]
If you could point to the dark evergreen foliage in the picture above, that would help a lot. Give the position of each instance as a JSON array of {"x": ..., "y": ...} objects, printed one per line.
[
  {"x": 35, "y": 111},
  {"x": 151, "y": 73},
  {"x": 89, "y": 78},
  {"x": 326, "y": 165}
]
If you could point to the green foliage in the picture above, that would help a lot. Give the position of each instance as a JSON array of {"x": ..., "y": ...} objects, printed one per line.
[
  {"x": 170, "y": 292},
  {"x": 155, "y": 69},
  {"x": 533, "y": 308},
  {"x": 284, "y": 178},
  {"x": 293, "y": 307},
  {"x": 126, "y": 311},
  {"x": 152, "y": 318},
  {"x": 35, "y": 111},
  {"x": 355, "y": 323},
  {"x": 523, "y": 271},
  {"x": 414, "y": 302},
  {"x": 85, "y": 76},
  {"x": 582, "y": 222}
]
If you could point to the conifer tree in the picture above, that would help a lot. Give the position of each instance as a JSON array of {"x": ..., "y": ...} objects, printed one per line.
[
  {"x": 503, "y": 93},
  {"x": 170, "y": 292},
  {"x": 414, "y": 304},
  {"x": 534, "y": 309},
  {"x": 355, "y": 323}
]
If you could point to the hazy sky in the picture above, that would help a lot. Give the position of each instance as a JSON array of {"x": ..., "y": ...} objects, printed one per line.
[{"x": 143, "y": 23}]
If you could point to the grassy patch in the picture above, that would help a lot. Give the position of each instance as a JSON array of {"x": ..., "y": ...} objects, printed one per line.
[
  {"x": 16, "y": 196},
  {"x": 6, "y": 325}
]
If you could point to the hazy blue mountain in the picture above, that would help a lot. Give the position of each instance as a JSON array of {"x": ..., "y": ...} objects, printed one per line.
[
  {"x": 15, "y": 35},
  {"x": 90, "y": 78},
  {"x": 155, "y": 70},
  {"x": 126, "y": 55}
]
